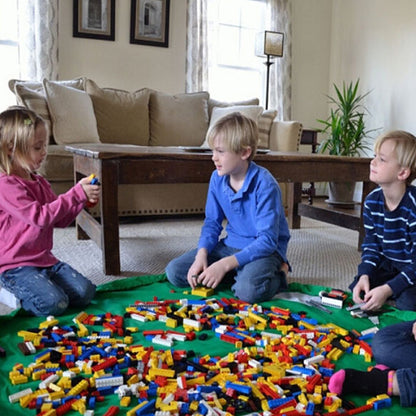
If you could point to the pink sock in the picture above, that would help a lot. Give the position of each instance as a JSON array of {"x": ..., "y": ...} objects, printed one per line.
[
  {"x": 381, "y": 367},
  {"x": 336, "y": 382}
]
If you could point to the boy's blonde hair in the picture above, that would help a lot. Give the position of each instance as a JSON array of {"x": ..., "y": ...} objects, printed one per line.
[
  {"x": 17, "y": 127},
  {"x": 238, "y": 133},
  {"x": 405, "y": 148}
]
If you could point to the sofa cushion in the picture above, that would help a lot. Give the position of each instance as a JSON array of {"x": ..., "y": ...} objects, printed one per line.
[
  {"x": 72, "y": 114},
  {"x": 251, "y": 111},
  {"x": 180, "y": 119},
  {"x": 58, "y": 165},
  {"x": 32, "y": 95},
  {"x": 122, "y": 116},
  {"x": 215, "y": 103},
  {"x": 264, "y": 124}
]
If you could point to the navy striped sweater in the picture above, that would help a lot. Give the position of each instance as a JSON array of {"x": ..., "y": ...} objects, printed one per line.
[{"x": 390, "y": 235}]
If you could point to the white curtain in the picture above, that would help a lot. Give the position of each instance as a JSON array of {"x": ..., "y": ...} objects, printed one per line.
[
  {"x": 281, "y": 72},
  {"x": 196, "y": 46},
  {"x": 279, "y": 12},
  {"x": 38, "y": 39}
]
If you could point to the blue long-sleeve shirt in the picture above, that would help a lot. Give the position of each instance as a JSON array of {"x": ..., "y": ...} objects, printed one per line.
[
  {"x": 390, "y": 235},
  {"x": 256, "y": 222}
]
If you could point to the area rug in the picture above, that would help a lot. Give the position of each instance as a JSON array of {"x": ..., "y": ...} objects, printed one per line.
[{"x": 113, "y": 300}]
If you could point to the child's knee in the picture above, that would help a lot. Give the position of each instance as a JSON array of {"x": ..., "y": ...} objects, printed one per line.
[{"x": 52, "y": 304}]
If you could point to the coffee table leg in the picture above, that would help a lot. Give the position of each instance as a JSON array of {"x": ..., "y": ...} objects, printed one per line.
[
  {"x": 110, "y": 237},
  {"x": 295, "y": 198}
]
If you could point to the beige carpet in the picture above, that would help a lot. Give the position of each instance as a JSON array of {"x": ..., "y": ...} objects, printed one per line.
[{"x": 319, "y": 253}]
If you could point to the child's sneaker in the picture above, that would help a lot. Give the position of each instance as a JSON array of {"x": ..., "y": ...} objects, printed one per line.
[{"x": 9, "y": 299}]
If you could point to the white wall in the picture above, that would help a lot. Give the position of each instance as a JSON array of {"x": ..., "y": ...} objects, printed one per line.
[
  {"x": 333, "y": 41},
  {"x": 120, "y": 64},
  {"x": 311, "y": 32},
  {"x": 374, "y": 40}
]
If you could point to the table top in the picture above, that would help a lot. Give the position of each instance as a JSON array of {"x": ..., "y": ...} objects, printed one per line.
[{"x": 116, "y": 151}]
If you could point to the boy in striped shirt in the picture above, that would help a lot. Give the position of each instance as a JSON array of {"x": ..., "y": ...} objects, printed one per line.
[{"x": 388, "y": 266}]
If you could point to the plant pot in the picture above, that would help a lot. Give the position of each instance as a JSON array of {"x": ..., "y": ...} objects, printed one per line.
[{"x": 341, "y": 194}]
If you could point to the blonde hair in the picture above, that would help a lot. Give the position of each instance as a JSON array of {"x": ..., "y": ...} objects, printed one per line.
[
  {"x": 17, "y": 127},
  {"x": 404, "y": 147},
  {"x": 238, "y": 133}
]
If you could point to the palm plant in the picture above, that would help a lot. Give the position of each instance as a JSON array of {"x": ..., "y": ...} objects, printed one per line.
[{"x": 345, "y": 126}]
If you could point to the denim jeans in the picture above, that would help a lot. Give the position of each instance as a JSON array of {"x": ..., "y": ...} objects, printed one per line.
[
  {"x": 45, "y": 291},
  {"x": 257, "y": 281},
  {"x": 395, "y": 347}
]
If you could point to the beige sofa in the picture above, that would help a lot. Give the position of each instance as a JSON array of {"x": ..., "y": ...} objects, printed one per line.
[{"x": 79, "y": 111}]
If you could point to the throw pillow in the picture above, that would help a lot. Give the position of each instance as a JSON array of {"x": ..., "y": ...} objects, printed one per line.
[
  {"x": 215, "y": 103},
  {"x": 251, "y": 111},
  {"x": 72, "y": 114},
  {"x": 31, "y": 94},
  {"x": 122, "y": 116},
  {"x": 264, "y": 124},
  {"x": 180, "y": 119}
]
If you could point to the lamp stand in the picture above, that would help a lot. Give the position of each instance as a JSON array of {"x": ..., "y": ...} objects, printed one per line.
[{"x": 268, "y": 63}]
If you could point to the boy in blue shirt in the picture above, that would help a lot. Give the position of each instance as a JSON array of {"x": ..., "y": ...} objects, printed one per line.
[
  {"x": 248, "y": 198},
  {"x": 388, "y": 267}
]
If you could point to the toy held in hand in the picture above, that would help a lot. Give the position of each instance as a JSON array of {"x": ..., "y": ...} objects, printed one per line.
[{"x": 93, "y": 181}]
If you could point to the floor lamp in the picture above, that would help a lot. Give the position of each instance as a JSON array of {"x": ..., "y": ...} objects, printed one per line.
[{"x": 269, "y": 44}]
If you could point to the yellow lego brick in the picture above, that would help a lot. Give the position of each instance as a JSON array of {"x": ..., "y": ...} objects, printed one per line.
[
  {"x": 46, "y": 407},
  {"x": 21, "y": 379},
  {"x": 195, "y": 381},
  {"x": 55, "y": 395},
  {"x": 128, "y": 340},
  {"x": 125, "y": 401},
  {"x": 154, "y": 372},
  {"x": 203, "y": 291},
  {"x": 171, "y": 323},
  {"x": 48, "y": 323},
  {"x": 132, "y": 412},
  {"x": 132, "y": 329},
  {"x": 25, "y": 400},
  {"x": 82, "y": 316}
]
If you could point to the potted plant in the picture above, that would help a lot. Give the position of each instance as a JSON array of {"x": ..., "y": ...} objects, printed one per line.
[{"x": 345, "y": 134}]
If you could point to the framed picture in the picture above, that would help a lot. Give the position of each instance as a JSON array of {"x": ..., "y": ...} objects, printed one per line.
[
  {"x": 149, "y": 23},
  {"x": 94, "y": 19}
]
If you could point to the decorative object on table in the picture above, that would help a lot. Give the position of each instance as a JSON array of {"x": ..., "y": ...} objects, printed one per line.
[
  {"x": 269, "y": 44},
  {"x": 149, "y": 24},
  {"x": 346, "y": 135},
  {"x": 94, "y": 20}
]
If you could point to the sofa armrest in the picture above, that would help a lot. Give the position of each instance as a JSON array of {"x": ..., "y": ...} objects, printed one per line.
[{"x": 285, "y": 136}]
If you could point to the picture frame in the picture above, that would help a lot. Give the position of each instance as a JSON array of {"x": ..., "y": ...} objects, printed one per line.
[
  {"x": 149, "y": 24},
  {"x": 94, "y": 19}
]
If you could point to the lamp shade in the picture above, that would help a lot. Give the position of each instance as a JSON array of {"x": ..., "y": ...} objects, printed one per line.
[{"x": 269, "y": 43}]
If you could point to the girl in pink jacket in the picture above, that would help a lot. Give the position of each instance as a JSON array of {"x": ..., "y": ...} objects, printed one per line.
[{"x": 29, "y": 211}]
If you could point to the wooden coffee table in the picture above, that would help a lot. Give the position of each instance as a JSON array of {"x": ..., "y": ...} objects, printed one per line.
[{"x": 129, "y": 164}]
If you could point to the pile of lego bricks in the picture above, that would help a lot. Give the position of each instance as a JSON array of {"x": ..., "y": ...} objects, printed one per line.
[{"x": 185, "y": 355}]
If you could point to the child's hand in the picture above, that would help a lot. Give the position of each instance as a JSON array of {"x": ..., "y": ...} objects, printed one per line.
[
  {"x": 91, "y": 191},
  {"x": 363, "y": 285},
  {"x": 212, "y": 276},
  {"x": 377, "y": 297},
  {"x": 200, "y": 264}
]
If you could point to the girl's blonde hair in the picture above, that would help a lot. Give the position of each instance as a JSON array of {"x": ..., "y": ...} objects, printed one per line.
[
  {"x": 238, "y": 133},
  {"x": 17, "y": 127},
  {"x": 405, "y": 148}
]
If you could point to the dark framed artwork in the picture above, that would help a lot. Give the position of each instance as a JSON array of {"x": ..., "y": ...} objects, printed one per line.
[
  {"x": 149, "y": 23},
  {"x": 94, "y": 19}
]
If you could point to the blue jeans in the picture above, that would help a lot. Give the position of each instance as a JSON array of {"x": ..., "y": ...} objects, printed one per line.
[
  {"x": 395, "y": 347},
  {"x": 257, "y": 281},
  {"x": 45, "y": 291}
]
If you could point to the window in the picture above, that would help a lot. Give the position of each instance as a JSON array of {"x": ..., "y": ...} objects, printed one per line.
[
  {"x": 235, "y": 72},
  {"x": 9, "y": 51}
]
